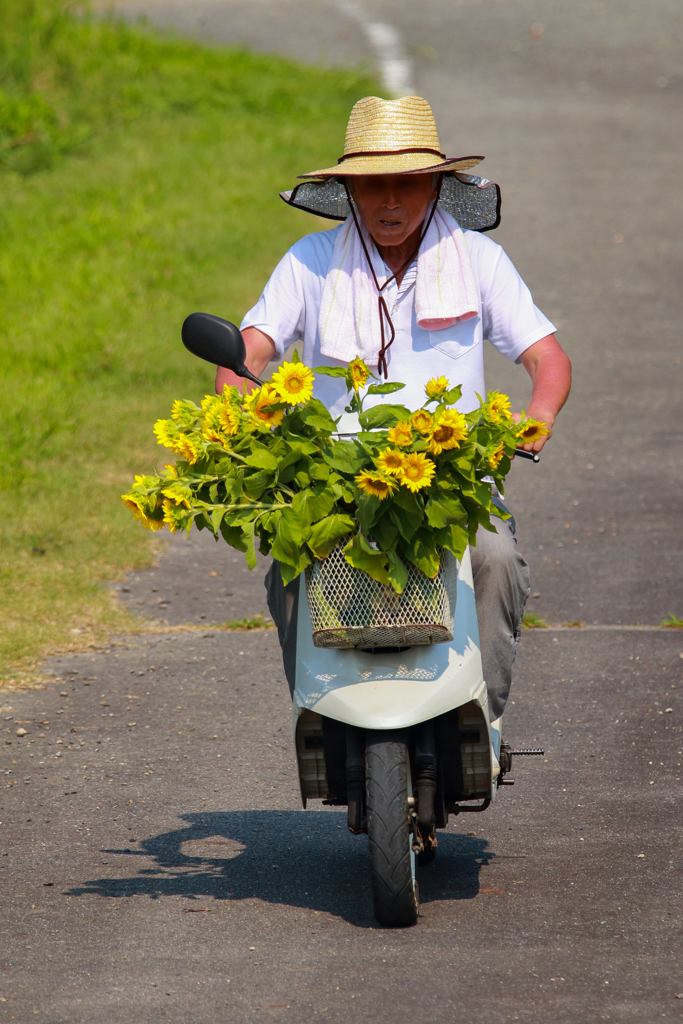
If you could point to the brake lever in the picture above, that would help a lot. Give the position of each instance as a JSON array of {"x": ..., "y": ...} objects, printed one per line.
[{"x": 521, "y": 453}]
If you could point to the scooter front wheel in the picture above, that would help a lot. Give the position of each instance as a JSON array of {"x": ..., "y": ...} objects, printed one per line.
[{"x": 392, "y": 861}]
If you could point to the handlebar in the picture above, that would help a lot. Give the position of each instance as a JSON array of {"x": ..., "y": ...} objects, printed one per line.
[{"x": 520, "y": 453}]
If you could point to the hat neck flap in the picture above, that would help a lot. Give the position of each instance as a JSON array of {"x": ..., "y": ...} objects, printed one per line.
[{"x": 474, "y": 202}]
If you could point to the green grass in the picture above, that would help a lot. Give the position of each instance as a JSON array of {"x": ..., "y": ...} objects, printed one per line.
[
  {"x": 672, "y": 622},
  {"x": 530, "y": 620},
  {"x": 158, "y": 198},
  {"x": 256, "y": 622}
]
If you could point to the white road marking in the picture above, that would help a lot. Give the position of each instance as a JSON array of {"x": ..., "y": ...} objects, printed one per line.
[{"x": 395, "y": 66}]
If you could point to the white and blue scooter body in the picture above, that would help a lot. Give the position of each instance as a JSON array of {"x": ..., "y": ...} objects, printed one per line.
[{"x": 394, "y": 690}]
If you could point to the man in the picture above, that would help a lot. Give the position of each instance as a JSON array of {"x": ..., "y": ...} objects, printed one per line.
[{"x": 402, "y": 285}]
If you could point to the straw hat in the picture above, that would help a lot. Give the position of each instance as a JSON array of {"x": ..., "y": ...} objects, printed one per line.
[{"x": 393, "y": 137}]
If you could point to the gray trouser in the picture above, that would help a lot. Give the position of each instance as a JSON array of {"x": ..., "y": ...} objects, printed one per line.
[{"x": 501, "y": 589}]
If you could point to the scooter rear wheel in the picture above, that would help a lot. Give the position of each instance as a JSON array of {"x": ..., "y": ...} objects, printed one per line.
[{"x": 392, "y": 861}]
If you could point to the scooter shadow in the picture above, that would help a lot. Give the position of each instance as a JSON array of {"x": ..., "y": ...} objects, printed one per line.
[{"x": 305, "y": 859}]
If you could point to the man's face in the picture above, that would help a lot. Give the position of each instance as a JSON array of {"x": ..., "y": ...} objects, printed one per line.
[{"x": 392, "y": 206}]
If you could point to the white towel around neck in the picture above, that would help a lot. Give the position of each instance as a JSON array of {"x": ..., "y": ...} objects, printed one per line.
[{"x": 445, "y": 289}]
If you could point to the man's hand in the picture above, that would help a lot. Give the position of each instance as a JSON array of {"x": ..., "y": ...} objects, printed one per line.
[
  {"x": 260, "y": 350},
  {"x": 550, "y": 370}
]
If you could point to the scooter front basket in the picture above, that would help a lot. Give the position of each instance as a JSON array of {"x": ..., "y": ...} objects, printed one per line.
[{"x": 351, "y": 610}]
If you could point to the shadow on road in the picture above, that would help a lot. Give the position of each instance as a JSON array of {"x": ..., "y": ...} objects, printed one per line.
[{"x": 295, "y": 858}]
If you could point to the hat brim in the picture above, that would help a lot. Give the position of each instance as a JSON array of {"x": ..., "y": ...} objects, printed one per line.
[
  {"x": 474, "y": 202},
  {"x": 394, "y": 163}
]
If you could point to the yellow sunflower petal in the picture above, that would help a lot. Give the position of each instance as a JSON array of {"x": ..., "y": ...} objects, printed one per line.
[
  {"x": 497, "y": 406},
  {"x": 531, "y": 430},
  {"x": 376, "y": 484},
  {"x": 417, "y": 471},
  {"x": 358, "y": 373},
  {"x": 450, "y": 428},
  {"x": 496, "y": 455},
  {"x": 390, "y": 461},
  {"x": 293, "y": 382},
  {"x": 436, "y": 387},
  {"x": 401, "y": 435},
  {"x": 422, "y": 421}
]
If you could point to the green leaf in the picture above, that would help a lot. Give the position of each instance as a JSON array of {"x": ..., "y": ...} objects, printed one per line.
[
  {"x": 361, "y": 555},
  {"x": 312, "y": 504},
  {"x": 327, "y": 532},
  {"x": 455, "y": 538},
  {"x": 233, "y": 535},
  {"x": 287, "y": 544},
  {"x": 409, "y": 502},
  {"x": 346, "y": 457},
  {"x": 290, "y": 572},
  {"x": 423, "y": 552},
  {"x": 315, "y": 414},
  {"x": 383, "y": 416},
  {"x": 255, "y": 484},
  {"x": 217, "y": 519},
  {"x": 261, "y": 458},
  {"x": 398, "y": 574},
  {"x": 248, "y": 539},
  {"x": 406, "y": 524},
  {"x": 385, "y": 389},
  {"x": 452, "y": 396},
  {"x": 330, "y": 371},
  {"x": 444, "y": 511},
  {"x": 319, "y": 471},
  {"x": 302, "y": 477},
  {"x": 368, "y": 510},
  {"x": 385, "y": 532}
]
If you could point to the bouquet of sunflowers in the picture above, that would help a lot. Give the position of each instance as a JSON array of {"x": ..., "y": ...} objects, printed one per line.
[{"x": 267, "y": 469}]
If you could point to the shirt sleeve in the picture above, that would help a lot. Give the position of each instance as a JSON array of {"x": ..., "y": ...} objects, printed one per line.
[
  {"x": 510, "y": 320},
  {"x": 281, "y": 311}
]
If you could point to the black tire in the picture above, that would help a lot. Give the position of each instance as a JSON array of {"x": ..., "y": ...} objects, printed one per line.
[{"x": 392, "y": 865}]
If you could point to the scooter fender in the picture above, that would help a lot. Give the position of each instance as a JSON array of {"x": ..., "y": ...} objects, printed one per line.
[{"x": 393, "y": 690}]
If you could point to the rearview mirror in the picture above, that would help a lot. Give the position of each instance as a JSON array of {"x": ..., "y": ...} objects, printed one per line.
[{"x": 217, "y": 341}]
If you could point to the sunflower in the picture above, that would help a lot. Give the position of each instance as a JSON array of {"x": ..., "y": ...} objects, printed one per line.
[
  {"x": 376, "y": 484},
  {"x": 185, "y": 412},
  {"x": 228, "y": 418},
  {"x": 496, "y": 455},
  {"x": 178, "y": 493},
  {"x": 390, "y": 461},
  {"x": 450, "y": 428},
  {"x": 188, "y": 447},
  {"x": 166, "y": 432},
  {"x": 531, "y": 430},
  {"x": 258, "y": 402},
  {"x": 293, "y": 382},
  {"x": 417, "y": 471},
  {"x": 143, "y": 508},
  {"x": 498, "y": 406},
  {"x": 422, "y": 421},
  {"x": 175, "y": 517},
  {"x": 401, "y": 435},
  {"x": 436, "y": 387},
  {"x": 357, "y": 373}
]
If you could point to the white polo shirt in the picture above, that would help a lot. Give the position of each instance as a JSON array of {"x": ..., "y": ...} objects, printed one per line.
[{"x": 288, "y": 311}]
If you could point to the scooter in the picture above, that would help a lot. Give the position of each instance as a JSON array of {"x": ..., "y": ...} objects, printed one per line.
[{"x": 401, "y": 736}]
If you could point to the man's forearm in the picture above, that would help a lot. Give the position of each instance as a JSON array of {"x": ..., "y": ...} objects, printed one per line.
[
  {"x": 260, "y": 350},
  {"x": 550, "y": 370}
]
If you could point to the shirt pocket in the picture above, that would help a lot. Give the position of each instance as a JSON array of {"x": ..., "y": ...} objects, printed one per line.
[{"x": 459, "y": 340}]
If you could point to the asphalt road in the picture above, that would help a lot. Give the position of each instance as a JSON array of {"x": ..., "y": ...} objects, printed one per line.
[{"x": 157, "y": 865}]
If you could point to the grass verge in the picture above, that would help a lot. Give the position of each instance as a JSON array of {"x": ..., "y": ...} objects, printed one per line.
[
  {"x": 159, "y": 197},
  {"x": 530, "y": 620}
]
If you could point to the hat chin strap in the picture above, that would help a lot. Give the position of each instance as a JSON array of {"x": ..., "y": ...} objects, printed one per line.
[{"x": 384, "y": 316}]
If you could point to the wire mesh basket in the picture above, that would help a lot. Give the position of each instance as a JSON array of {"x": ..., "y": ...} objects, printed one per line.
[{"x": 349, "y": 609}]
